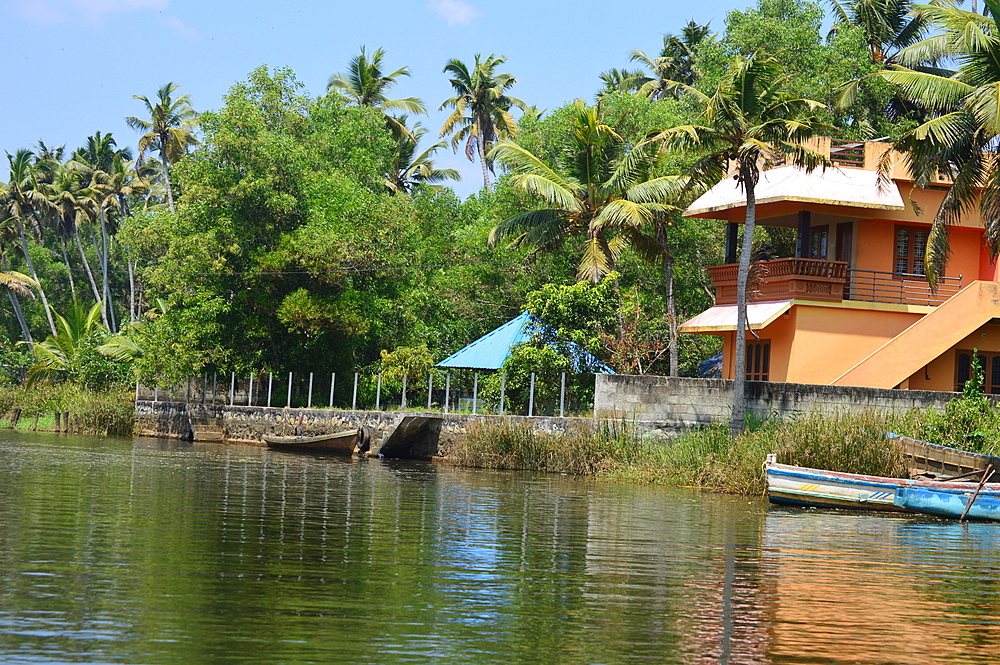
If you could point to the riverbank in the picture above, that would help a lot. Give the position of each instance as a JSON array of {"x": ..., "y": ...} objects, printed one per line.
[
  {"x": 709, "y": 457},
  {"x": 106, "y": 413},
  {"x": 617, "y": 449}
]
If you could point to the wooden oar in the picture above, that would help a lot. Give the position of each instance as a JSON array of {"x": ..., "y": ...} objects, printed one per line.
[{"x": 986, "y": 477}]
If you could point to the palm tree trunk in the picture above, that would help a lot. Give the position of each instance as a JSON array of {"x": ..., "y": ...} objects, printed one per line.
[
  {"x": 166, "y": 182},
  {"x": 69, "y": 268},
  {"x": 739, "y": 372},
  {"x": 481, "y": 142},
  {"x": 668, "y": 283},
  {"x": 132, "y": 314},
  {"x": 104, "y": 272},
  {"x": 16, "y": 304},
  {"x": 34, "y": 275},
  {"x": 86, "y": 266}
]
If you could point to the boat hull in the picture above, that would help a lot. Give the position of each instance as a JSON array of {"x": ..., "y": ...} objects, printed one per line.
[
  {"x": 801, "y": 486},
  {"x": 950, "y": 502},
  {"x": 341, "y": 443}
]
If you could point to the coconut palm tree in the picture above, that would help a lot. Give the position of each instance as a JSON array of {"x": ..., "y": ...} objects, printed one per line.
[
  {"x": 888, "y": 25},
  {"x": 619, "y": 80},
  {"x": 16, "y": 283},
  {"x": 675, "y": 64},
  {"x": 410, "y": 169},
  {"x": 364, "y": 84},
  {"x": 22, "y": 200},
  {"x": 56, "y": 357},
  {"x": 746, "y": 123},
  {"x": 961, "y": 138},
  {"x": 481, "y": 108},
  {"x": 169, "y": 130},
  {"x": 606, "y": 195},
  {"x": 124, "y": 183},
  {"x": 66, "y": 200}
]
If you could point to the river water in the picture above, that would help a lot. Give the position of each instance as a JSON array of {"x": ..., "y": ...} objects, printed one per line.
[{"x": 146, "y": 551}]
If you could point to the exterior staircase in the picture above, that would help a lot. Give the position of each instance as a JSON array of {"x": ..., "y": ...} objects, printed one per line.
[{"x": 904, "y": 355}]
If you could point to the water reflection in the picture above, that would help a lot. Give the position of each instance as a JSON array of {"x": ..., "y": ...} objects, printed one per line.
[{"x": 161, "y": 552}]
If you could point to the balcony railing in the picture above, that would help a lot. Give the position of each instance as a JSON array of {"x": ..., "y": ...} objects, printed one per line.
[
  {"x": 831, "y": 281},
  {"x": 898, "y": 288},
  {"x": 780, "y": 279}
]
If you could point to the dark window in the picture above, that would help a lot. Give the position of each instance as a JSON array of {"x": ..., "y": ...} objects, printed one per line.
[
  {"x": 758, "y": 359},
  {"x": 911, "y": 249},
  {"x": 819, "y": 236},
  {"x": 989, "y": 364}
]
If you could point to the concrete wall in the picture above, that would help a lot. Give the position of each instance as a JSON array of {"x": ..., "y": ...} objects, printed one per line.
[
  {"x": 243, "y": 424},
  {"x": 670, "y": 404}
]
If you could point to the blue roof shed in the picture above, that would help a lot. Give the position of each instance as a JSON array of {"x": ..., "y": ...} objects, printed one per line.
[{"x": 491, "y": 350}]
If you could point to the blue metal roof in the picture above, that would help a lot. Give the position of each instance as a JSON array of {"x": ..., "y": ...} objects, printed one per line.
[{"x": 491, "y": 350}]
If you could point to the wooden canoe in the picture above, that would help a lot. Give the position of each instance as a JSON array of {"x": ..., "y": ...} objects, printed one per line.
[
  {"x": 342, "y": 443},
  {"x": 802, "y": 486},
  {"x": 932, "y": 459},
  {"x": 819, "y": 488},
  {"x": 951, "y": 502}
]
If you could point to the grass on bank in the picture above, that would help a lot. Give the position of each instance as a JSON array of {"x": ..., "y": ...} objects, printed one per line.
[
  {"x": 708, "y": 457},
  {"x": 107, "y": 413}
]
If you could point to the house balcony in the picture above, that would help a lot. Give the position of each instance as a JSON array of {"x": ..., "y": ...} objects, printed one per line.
[{"x": 828, "y": 281}]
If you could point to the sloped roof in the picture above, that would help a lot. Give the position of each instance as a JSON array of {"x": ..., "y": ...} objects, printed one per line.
[
  {"x": 854, "y": 188},
  {"x": 491, "y": 350},
  {"x": 721, "y": 318}
]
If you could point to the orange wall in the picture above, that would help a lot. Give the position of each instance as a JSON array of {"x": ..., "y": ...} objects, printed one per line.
[
  {"x": 940, "y": 374},
  {"x": 875, "y": 250},
  {"x": 816, "y": 344}
]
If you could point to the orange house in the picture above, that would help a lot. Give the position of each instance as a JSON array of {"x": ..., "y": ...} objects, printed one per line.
[{"x": 853, "y": 307}]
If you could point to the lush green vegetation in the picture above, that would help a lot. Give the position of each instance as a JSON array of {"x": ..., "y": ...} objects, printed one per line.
[{"x": 290, "y": 231}]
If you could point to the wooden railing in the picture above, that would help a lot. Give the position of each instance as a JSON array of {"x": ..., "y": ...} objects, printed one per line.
[
  {"x": 808, "y": 279},
  {"x": 847, "y": 153},
  {"x": 898, "y": 288}
]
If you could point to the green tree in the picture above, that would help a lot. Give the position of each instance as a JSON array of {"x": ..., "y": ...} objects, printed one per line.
[
  {"x": 619, "y": 80},
  {"x": 605, "y": 194},
  {"x": 675, "y": 63},
  {"x": 888, "y": 25},
  {"x": 960, "y": 139},
  {"x": 57, "y": 357},
  {"x": 22, "y": 200},
  {"x": 364, "y": 84},
  {"x": 746, "y": 122},
  {"x": 410, "y": 169},
  {"x": 169, "y": 130},
  {"x": 481, "y": 108},
  {"x": 9, "y": 237}
]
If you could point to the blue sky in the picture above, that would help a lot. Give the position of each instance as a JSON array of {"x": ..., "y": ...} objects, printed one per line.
[{"x": 72, "y": 66}]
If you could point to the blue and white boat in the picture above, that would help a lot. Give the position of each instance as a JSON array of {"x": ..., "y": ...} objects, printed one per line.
[
  {"x": 930, "y": 499},
  {"x": 802, "y": 486}
]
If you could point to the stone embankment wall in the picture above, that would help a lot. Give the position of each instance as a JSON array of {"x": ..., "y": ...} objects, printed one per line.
[
  {"x": 672, "y": 404},
  {"x": 248, "y": 424}
]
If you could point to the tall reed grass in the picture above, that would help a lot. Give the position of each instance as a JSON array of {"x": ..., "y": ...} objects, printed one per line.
[
  {"x": 107, "y": 413},
  {"x": 709, "y": 457}
]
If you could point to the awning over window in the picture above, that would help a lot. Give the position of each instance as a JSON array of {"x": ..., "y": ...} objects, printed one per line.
[{"x": 722, "y": 318}]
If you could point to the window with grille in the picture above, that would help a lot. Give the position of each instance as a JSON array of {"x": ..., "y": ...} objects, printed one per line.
[
  {"x": 988, "y": 362},
  {"x": 758, "y": 359},
  {"x": 911, "y": 249}
]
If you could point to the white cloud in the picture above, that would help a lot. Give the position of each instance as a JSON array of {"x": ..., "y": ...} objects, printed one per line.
[
  {"x": 455, "y": 12},
  {"x": 179, "y": 27}
]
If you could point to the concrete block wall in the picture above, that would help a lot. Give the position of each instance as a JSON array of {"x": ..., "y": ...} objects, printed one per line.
[
  {"x": 248, "y": 424},
  {"x": 672, "y": 404}
]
